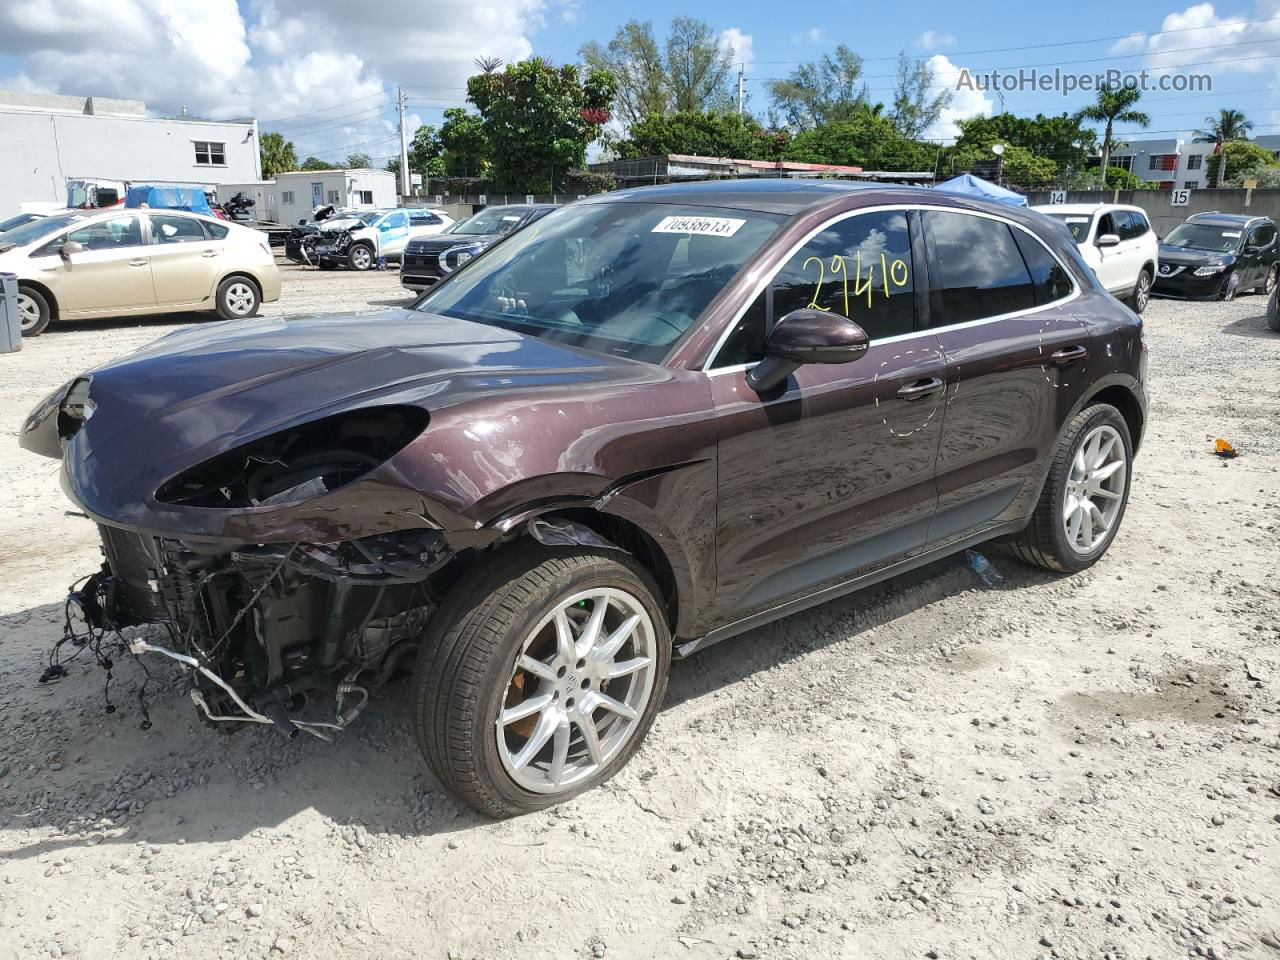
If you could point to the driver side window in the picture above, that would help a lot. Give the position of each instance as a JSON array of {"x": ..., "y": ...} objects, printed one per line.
[{"x": 860, "y": 268}]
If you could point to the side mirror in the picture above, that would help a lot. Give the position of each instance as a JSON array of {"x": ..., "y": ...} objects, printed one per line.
[
  {"x": 806, "y": 336},
  {"x": 1107, "y": 240},
  {"x": 68, "y": 249}
]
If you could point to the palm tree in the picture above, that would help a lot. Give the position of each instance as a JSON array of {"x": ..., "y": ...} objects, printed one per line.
[
  {"x": 1228, "y": 127},
  {"x": 1115, "y": 105},
  {"x": 278, "y": 155}
]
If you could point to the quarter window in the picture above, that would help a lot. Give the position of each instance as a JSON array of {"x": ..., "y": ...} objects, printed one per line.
[
  {"x": 975, "y": 269},
  {"x": 210, "y": 154},
  {"x": 1047, "y": 274}
]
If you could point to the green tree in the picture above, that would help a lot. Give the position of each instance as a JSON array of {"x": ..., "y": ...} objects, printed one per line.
[
  {"x": 1060, "y": 138},
  {"x": 538, "y": 120},
  {"x": 358, "y": 161},
  {"x": 1242, "y": 159},
  {"x": 635, "y": 59},
  {"x": 707, "y": 134},
  {"x": 277, "y": 155},
  {"x": 426, "y": 153},
  {"x": 1227, "y": 127},
  {"x": 465, "y": 143},
  {"x": 823, "y": 91},
  {"x": 688, "y": 74},
  {"x": 918, "y": 102},
  {"x": 1018, "y": 165},
  {"x": 864, "y": 140},
  {"x": 314, "y": 163},
  {"x": 1114, "y": 105}
]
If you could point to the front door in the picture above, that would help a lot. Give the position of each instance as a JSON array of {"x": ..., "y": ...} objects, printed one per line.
[
  {"x": 830, "y": 475},
  {"x": 1017, "y": 362},
  {"x": 1112, "y": 269},
  {"x": 317, "y": 195},
  {"x": 185, "y": 262},
  {"x": 110, "y": 274},
  {"x": 393, "y": 233}
]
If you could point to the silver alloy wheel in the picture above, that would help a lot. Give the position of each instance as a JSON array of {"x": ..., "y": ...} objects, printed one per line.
[
  {"x": 240, "y": 298},
  {"x": 1095, "y": 489},
  {"x": 28, "y": 313},
  {"x": 1144, "y": 291},
  {"x": 577, "y": 690},
  {"x": 361, "y": 257}
]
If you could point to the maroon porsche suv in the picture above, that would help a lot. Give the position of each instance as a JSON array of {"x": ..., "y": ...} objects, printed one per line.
[{"x": 650, "y": 421}]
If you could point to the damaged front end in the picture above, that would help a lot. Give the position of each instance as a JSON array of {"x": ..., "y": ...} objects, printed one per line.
[
  {"x": 291, "y": 634},
  {"x": 325, "y": 246}
]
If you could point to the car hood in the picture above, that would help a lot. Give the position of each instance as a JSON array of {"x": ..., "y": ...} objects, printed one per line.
[
  {"x": 200, "y": 392},
  {"x": 1187, "y": 257}
]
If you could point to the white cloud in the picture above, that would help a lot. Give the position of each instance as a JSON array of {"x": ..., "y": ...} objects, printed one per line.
[
  {"x": 935, "y": 40},
  {"x": 1199, "y": 27},
  {"x": 740, "y": 43},
  {"x": 965, "y": 103},
  {"x": 814, "y": 35},
  {"x": 268, "y": 58}
]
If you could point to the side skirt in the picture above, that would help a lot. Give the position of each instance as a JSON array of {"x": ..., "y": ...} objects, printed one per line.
[{"x": 848, "y": 586}]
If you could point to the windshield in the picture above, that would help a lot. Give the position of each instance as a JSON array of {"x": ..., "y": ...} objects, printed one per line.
[
  {"x": 1077, "y": 223},
  {"x": 369, "y": 216},
  {"x": 1201, "y": 236},
  {"x": 18, "y": 221},
  {"x": 628, "y": 279},
  {"x": 38, "y": 229},
  {"x": 493, "y": 220}
]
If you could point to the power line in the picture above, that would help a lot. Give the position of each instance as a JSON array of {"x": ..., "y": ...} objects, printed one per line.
[{"x": 345, "y": 103}]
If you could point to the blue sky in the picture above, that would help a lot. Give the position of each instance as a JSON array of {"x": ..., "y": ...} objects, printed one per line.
[{"x": 324, "y": 72}]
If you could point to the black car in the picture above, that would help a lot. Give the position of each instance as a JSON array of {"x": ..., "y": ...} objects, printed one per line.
[
  {"x": 1214, "y": 256},
  {"x": 429, "y": 259}
]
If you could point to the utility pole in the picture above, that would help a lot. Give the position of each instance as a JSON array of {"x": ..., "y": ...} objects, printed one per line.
[
  {"x": 742, "y": 69},
  {"x": 405, "y": 183}
]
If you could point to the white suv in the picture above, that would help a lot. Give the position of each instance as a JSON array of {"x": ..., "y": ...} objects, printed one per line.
[{"x": 1117, "y": 242}]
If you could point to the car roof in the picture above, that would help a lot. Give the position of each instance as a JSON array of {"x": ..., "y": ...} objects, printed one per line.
[
  {"x": 1083, "y": 208},
  {"x": 771, "y": 195},
  {"x": 1215, "y": 219}
]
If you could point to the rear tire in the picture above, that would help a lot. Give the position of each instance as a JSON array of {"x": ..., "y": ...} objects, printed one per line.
[
  {"x": 1269, "y": 284},
  {"x": 1141, "y": 295},
  {"x": 1048, "y": 540},
  {"x": 237, "y": 298},
  {"x": 473, "y": 671},
  {"x": 1273, "y": 311},
  {"x": 34, "y": 312}
]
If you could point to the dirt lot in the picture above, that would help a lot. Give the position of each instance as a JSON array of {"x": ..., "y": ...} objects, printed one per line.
[{"x": 1070, "y": 767}]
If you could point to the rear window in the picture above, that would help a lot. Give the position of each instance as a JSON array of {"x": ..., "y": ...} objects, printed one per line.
[{"x": 975, "y": 269}]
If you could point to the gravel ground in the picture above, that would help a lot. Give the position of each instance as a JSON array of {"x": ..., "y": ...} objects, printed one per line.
[{"x": 1085, "y": 766}]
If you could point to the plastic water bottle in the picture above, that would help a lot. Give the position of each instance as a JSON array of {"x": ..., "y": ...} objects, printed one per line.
[{"x": 983, "y": 568}]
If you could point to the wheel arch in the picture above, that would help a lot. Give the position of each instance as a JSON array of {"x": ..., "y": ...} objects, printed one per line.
[
  {"x": 1122, "y": 398},
  {"x": 240, "y": 274}
]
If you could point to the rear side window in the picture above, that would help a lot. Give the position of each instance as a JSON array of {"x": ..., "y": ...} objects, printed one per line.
[
  {"x": 1131, "y": 225},
  {"x": 1049, "y": 277},
  {"x": 975, "y": 269},
  {"x": 176, "y": 230},
  {"x": 423, "y": 219},
  {"x": 216, "y": 231}
]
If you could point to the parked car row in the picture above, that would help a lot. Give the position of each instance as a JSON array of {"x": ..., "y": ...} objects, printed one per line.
[
  {"x": 1212, "y": 256},
  {"x": 653, "y": 420},
  {"x": 357, "y": 240},
  {"x": 428, "y": 260}
]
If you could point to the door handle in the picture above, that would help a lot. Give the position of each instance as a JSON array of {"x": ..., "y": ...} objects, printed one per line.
[
  {"x": 919, "y": 389},
  {"x": 138, "y": 263},
  {"x": 209, "y": 253},
  {"x": 1068, "y": 355}
]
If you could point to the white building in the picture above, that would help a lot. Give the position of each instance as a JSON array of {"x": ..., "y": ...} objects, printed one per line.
[
  {"x": 49, "y": 139},
  {"x": 300, "y": 192},
  {"x": 1175, "y": 163}
]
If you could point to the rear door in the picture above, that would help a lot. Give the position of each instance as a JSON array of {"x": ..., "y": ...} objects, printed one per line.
[
  {"x": 1132, "y": 248},
  {"x": 1261, "y": 243},
  {"x": 111, "y": 274},
  {"x": 1017, "y": 360},
  {"x": 185, "y": 260},
  {"x": 831, "y": 475}
]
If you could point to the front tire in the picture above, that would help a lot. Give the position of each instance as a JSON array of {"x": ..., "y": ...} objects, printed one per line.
[
  {"x": 540, "y": 676},
  {"x": 237, "y": 298},
  {"x": 34, "y": 312},
  {"x": 1230, "y": 286},
  {"x": 361, "y": 257},
  {"x": 1085, "y": 495},
  {"x": 1141, "y": 295}
]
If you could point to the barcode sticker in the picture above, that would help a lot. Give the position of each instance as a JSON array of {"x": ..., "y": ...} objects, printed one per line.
[{"x": 699, "y": 226}]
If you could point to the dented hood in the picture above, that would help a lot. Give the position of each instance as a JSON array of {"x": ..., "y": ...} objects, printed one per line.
[{"x": 204, "y": 390}]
